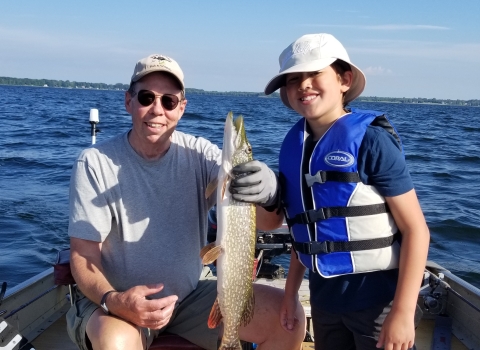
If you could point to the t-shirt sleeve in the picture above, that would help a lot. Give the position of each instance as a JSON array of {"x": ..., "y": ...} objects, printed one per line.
[
  {"x": 211, "y": 158},
  {"x": 382, "y": 164},
  {"x": 90, "y": 217}
]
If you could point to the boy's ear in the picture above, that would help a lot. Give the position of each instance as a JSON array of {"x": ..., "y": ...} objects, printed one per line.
[{"x": 347, "y": 79}]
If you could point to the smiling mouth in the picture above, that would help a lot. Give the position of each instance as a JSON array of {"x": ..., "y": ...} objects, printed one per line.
[
  {"x": 155, "y": 125},
  {"x": 308, "y": 98}
]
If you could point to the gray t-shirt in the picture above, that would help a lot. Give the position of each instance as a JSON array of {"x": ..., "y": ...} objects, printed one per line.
[{"x": 150, "y": 215}]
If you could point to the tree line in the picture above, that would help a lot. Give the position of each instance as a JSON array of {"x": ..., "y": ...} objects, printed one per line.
[
  {"x": 61, "y": 83},
  {"x": 451, "y": 102},
  {"x": 119, "y": 86}
]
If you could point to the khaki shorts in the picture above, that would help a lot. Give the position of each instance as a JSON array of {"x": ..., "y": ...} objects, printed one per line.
[{"x": 189, "y": 319}]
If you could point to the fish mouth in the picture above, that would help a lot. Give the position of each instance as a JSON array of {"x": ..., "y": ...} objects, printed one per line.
[{"x": 240, "y": 128}]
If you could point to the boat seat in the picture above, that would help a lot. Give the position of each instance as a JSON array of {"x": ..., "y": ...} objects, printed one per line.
[{"x": 165, "y": 341}]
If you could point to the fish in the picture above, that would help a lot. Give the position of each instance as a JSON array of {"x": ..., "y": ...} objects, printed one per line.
[{"x": 234, "y": 248}]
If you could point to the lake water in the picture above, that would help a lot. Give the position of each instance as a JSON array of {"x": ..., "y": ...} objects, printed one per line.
[{"x": 44, "y": 129}]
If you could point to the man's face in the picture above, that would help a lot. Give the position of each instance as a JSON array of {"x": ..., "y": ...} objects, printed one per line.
[{"x": 153, "y": 125}]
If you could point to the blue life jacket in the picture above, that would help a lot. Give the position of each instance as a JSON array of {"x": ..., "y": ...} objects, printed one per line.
[{"x": 349, "y": 229}]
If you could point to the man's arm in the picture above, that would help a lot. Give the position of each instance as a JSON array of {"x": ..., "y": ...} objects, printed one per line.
[
  {"x": 86, "y": 266},
  {"x": 130, "y": 305}
]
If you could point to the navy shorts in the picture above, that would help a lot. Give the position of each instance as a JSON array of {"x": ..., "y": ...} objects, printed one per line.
[{"x": 358, "y": 330}]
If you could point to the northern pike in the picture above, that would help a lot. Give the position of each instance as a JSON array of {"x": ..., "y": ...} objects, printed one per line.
[{"x": 234, "y": 248}]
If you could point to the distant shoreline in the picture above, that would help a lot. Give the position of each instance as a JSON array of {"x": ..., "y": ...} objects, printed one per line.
[{"x": 8, "y": 81}]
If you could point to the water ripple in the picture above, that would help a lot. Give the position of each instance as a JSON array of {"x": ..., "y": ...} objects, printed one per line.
[{"x": 44, "y": 132}]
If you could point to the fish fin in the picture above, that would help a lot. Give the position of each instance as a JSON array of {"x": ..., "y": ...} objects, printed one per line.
[
  {"x": 255, "y": 267},
  {"x": 206, "y": 249},
  {"x": 210, "y": 253},
  {"x": 215, "y": 316},
  {"x": 248, "y": 310},
  {"x": 224, "y": 186},
  {"x": 211, "y": 187}
]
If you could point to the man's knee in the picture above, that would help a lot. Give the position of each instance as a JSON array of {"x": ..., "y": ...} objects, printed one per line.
[
  {"x": 109, "y": 332},
  {"x": 268, "y": 301}
]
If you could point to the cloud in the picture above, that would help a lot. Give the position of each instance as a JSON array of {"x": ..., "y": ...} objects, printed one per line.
[
  {"x": 377, "y": 71},
  {"x": 406, "y": 27},
  {"x": 384, "y": 27},
  {"x": 427, "y": 50}
]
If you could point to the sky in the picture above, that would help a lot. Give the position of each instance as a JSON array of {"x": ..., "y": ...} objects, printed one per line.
[{"x": 421, "y": 48}]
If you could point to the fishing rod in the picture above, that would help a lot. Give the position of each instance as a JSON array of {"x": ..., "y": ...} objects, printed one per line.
[
  {"x": 433, "y": 297},
  {"x": 10, "y": 338}
]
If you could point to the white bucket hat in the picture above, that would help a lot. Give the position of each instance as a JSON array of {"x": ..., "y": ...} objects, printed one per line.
[
  {"x": 310, "y": 53},
  {"x": 157, "y": 63}
]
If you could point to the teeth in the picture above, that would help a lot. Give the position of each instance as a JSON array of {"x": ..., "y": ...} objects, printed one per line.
[
  {"x": 308, "y": 98},
  {"x": 152, "y": 125}
]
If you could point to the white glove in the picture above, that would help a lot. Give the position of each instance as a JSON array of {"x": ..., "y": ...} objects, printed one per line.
[{"x": 254, "y": 182}]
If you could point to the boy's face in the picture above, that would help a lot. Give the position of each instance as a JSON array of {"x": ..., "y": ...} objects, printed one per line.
[{"x": 318, "y": 95}]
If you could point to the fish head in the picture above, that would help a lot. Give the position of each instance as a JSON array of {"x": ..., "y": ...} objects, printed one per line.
[
  {"x": 236, "y": 150},
  {"x": 243, "y": 149}
]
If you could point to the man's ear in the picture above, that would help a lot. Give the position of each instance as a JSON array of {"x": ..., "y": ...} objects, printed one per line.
[
  {"x": 128, "y": 102},
  {"x": 182, "y": 106}
]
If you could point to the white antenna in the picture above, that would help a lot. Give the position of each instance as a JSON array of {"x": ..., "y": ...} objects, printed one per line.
[{"x": 93, "y": 122}]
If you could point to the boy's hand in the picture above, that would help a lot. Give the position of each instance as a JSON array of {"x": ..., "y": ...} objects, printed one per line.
[
  {"x": 398, "y": 331},
  {"x": 287, "y": 313}
]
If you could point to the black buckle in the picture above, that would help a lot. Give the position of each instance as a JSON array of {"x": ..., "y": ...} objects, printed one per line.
[
  {"x": 313, "y": 248},
  {"x": 311, "y": 216},
  {"x": 319, "y": 247}
]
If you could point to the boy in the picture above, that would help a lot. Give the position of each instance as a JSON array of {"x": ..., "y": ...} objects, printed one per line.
[{"x": 349, "y": 201}]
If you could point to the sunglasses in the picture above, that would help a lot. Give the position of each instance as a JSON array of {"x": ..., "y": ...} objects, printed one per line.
[{"x": 147, "y": 97}]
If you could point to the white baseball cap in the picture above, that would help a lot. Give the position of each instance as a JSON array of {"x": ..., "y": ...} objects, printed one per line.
[
  {"x": 309, "y": 53},
  {"x": 157, "y": 63}
]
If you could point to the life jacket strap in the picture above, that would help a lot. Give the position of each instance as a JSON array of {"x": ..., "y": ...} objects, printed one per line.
[
  {"x": 322, "y": 176},
  {"x": 325, "y": 247},
  {"x": 312, "y": 216}
]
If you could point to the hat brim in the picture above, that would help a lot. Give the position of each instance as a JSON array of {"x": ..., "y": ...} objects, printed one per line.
[
  {"x": 357, "y": 87},
  {"x": 278, "y": 81},
  {"x": 358, "y": 84}
]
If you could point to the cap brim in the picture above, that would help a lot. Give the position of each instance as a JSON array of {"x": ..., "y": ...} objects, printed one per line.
[{"x": 141, "y": 75}]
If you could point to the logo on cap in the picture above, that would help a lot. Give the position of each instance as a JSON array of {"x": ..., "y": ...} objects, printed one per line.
[
  {"x": 299, "y": 48},
  {"x": 159, "y": 60}
]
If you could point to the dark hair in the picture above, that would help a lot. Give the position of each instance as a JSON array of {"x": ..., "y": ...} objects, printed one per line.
[
  {"x": 131, "y": 88},
  {"x": 340, "y": 67}
]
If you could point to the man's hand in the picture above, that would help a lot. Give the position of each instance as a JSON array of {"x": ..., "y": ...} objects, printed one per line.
[
  {"x": 254, "y": 182},
  {"x": 134, "y": 306}
]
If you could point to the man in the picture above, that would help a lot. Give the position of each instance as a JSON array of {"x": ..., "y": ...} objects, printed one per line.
[{"x": 138, "y": 221}]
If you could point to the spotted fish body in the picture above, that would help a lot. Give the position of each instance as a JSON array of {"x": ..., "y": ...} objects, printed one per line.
[{"x": 234, "y": 248}]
